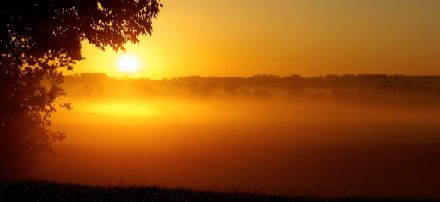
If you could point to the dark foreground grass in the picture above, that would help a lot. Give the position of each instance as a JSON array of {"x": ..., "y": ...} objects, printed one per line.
[{"x": 51, "y": 191}]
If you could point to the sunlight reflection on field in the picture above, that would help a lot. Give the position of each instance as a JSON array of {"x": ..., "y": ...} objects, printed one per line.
[{"x": 121, "y": 108}]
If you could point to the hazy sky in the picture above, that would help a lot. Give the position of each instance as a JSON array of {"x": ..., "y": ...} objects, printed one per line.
[{"x": 307, "y": 37}]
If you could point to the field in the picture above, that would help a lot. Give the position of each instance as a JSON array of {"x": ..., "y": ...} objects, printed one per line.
[
  {"x": 274, "y": 146},
  {"x": 327, "y": 137}
]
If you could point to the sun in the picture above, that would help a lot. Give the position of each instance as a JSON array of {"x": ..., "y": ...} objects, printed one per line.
[{"x": 128, "y": 64}]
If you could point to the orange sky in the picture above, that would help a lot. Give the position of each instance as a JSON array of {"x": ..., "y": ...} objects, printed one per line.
[{"x": 307, "y": 37}]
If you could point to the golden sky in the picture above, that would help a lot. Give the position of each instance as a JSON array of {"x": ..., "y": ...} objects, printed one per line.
[{"x": 306, "y": 37}]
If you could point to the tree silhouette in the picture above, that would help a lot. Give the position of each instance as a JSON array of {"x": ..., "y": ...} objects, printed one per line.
[{"x": 38, "y": 38}]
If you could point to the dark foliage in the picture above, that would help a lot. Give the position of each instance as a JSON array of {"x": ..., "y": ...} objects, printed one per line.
[
  {"x": 48, "y": 191},
  {"x": 37, "y": 39}
]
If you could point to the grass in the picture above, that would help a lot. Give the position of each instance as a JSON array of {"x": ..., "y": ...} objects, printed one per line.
[{"x": 51, "y": 191}]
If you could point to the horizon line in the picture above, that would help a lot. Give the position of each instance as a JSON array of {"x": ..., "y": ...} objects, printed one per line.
[{"x": 254, "y": 75}]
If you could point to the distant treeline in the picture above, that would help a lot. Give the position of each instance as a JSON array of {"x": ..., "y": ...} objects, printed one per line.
[{"x": 368, "y": 87}]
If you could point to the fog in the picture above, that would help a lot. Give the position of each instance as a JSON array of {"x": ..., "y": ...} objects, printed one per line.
[{"x": 273, "y": 144}]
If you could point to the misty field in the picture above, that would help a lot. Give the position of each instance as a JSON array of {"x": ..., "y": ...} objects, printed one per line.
[
  {"x": 279, "y": 144},
  {"x": 295, "y": 148}
]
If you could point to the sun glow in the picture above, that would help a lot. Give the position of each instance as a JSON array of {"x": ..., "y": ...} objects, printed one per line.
[{"x": 128, "y": 64}]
